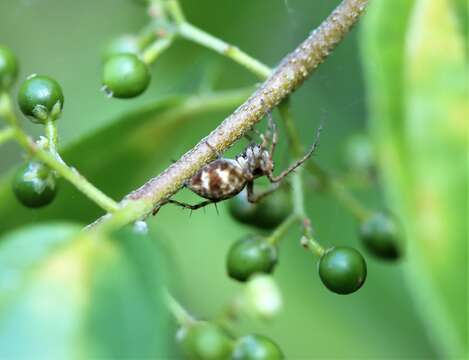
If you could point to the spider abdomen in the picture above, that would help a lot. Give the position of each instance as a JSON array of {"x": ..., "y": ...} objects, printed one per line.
[{"x": 218, "y": 180}]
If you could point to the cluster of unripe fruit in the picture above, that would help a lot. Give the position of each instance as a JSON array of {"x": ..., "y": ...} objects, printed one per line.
[
  {"x": 341, "y": 269},
  {"x": 41, "y": 99},
  {"x": 207, "y": 341}
]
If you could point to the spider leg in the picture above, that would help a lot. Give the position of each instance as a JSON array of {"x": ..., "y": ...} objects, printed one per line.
[
  {"x": 274, "y": 139},
  {"x": 299, "y": 162},
  {"x": 189, "y": 206},
  {"x": 254, "y": 198},
  {"x": 259, "y": 134}
]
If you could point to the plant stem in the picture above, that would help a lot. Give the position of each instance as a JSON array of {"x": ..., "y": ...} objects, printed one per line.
[
  {"x": 6, "y": 110},
  {"x": 174, "y": 8},
  {"x": 219, "y": 101},
  {"x": 281, "y": 230},
  {"x": 52, "y": 137},
  {"x": 155, "y": 49},
  {"x": 335, "y": 186},
  {"x": 308, "y": 239},
  {"x": 70, "y": 174},
  {"x": 192, "y": 33},
  {"x": 181, "y": 315},
  {"x": 6, "y": 134},
  {"x": 348, "y": 200}
]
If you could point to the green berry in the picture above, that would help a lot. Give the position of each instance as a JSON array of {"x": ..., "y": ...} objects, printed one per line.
[
  {"x": 41, "y": 98},
  {"x": 125, "y": 76},
  {"x": 249, "y": 256},
  {"x": 126, "y": 44},
  {"x": 8, "y": 68},
  {"x": 205, "y": 341},
  {"x": 342, "y": 270},
  {"x": 34, "y": 184},
  {"x": 266, "y": 214},
  {"x": 380, "y": 236},
  {"x": 256, "y": 347}
]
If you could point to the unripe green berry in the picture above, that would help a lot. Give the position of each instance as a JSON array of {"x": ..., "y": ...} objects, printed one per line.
[
  {"x": 249, "y": 256},
  {"x": 342, "y": 270},
  {"x": 125, "y": 76},
  {"x": 41, "y": 98},
  {"x": 205, "y": 341},
  {"x": 34, "y": 184},
  {"x": 256, "y": 347},
  {"x": 8, "y": 68},
  {"x": 266, "y": 214},
  {"x": 380, "y": 235},
  {"x": 126, "y": 44}
]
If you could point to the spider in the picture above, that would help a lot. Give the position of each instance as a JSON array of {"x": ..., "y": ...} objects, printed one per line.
[{"x": 224, "y": 178}]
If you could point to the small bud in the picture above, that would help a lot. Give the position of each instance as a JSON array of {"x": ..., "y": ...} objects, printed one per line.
[{"x": 262, "y": 297}]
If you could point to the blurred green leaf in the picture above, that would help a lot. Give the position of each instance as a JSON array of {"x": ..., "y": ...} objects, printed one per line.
[
  {"x": 68, "y": 294},
  {"x": 414, "y": 56},
  {"x": 122, "y": 155}
]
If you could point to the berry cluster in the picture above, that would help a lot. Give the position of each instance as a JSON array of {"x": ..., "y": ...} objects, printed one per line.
[
  {"x": 341, "y": 269},
  {"x": 207, "y": 341},
  {"x": 41, "y": 100}
]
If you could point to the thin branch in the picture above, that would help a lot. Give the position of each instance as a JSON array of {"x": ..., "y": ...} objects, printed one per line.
[
  {"x": 70, "y": 174},
  {"x": 190, "y": 32},
  {"x": 287, "y": 77},
  {"x": 6, "y": 134}
]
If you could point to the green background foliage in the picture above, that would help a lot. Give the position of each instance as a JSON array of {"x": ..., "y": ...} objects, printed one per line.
[{"x": 416, "y": 308}]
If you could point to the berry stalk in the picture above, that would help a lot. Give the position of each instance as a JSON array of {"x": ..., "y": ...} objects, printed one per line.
[{"x": 6, "y": 134}]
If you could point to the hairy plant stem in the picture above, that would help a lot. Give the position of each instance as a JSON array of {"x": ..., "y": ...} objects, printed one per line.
[{"x": 287, "y": 77}]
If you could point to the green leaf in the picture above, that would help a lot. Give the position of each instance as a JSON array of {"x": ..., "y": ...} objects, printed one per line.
[
  {"x": 418, "y": 100},
  {"x": 68, "y": 294},
  {"x": 123, "y": 154}
]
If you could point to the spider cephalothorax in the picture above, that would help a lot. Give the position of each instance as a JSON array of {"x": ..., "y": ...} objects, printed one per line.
[{"x": 224, "y": 178}]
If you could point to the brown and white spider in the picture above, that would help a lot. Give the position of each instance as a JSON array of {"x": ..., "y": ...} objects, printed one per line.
[{"x": 224, "y": 178}]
